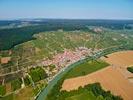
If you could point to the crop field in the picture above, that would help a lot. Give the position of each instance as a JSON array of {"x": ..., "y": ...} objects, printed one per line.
[
  {"x": 86, "y": 68},
  {"x": 25, "y": 94},
  {"x": 83, "y": 96},
  {"x": 124, "y": 58},
  {"x": 115, "y": 77}
]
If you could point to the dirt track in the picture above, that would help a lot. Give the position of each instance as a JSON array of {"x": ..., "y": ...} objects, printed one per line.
[{"x": 113, "y": 78}]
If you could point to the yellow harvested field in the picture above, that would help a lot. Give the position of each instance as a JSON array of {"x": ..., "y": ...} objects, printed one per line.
[
  {"x": 122, "y": 59},
  {"x": 114, "y": 78}
]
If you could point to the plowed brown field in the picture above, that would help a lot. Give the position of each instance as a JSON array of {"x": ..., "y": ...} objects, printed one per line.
[{"x": 114, "y": 78}]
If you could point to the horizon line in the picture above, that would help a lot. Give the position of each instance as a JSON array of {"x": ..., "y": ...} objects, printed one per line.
[{"x": 11, "y": 19}]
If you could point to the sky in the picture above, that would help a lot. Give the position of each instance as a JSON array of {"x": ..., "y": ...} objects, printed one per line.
[{"x": 66, "y": 9}]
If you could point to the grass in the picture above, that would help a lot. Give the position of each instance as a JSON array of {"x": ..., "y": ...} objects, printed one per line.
[
  {"x": 16, "y": 84},
  {"x": 25, "y": 94},
  {"x": 2, "y": 90},
  {"x": 86, "y": 68},
  {"x": 8, "y": 97},
  {"x": 84, "y": 96}
]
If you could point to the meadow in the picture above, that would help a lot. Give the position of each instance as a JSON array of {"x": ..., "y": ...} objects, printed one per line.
[{"x": 86, "y": 68}]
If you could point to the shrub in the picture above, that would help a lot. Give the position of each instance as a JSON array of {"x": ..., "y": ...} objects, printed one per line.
[{"x": 130, "y": 69}]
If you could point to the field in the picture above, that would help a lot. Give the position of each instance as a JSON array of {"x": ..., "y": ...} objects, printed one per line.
[
  {"x": 83, "y": 96},
  {"x": 121, "y": 61},
  {"x": 25, "y": 94},
  {"x": 114, "y": 78},
  {"x": 86, "y": 68},
  {"x": 8, "y": 97},
  {"x": 5, "y": 60}
]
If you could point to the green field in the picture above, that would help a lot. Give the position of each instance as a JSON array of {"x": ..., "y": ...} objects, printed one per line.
[
  {"x": 2, "y": 90},
  {"x": 8, "y": 97},
  {"x": 83, "y": 96},
  {"x": 86, "y": 68}
]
